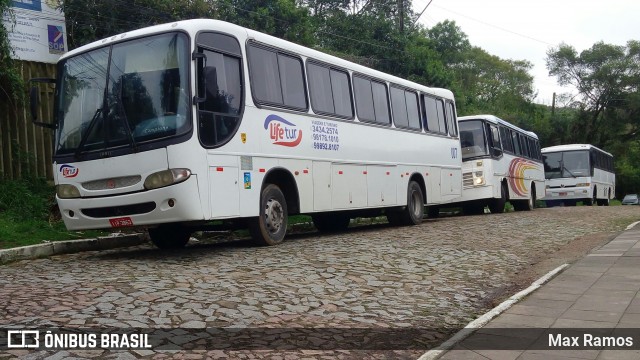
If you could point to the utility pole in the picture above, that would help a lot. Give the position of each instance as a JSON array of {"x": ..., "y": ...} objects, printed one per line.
[{"x": 553, "y": 104}]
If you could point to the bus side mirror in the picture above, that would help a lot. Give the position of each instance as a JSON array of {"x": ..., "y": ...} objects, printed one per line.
[
  {"x": 497, "y": 152},
  {"x": 34, "y": 101}
]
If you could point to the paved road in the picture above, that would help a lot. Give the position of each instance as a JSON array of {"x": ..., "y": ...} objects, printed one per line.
[{"x": 439, "y": 275}]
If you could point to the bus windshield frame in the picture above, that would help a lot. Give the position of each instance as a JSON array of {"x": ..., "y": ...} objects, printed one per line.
[{"x": 125, "y": 97}]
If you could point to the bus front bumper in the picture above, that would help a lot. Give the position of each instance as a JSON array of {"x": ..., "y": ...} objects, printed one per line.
[
  {"x": 175, "y": 203},
  {"x": 574, "y": 193},
  {"x": 482, "y": 192}
]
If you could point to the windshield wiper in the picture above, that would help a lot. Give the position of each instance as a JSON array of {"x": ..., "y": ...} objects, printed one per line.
[
  {"x": 85, "y": 135},
  {"x": 132, "y": 140},
  {"x": 564, "y": 168}
]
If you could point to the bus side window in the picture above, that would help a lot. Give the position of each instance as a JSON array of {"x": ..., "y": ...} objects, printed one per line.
[
  {"x": 441, "y": 118},
  {"x": 219, "y": 111},
  {"x": 516, "y": 144},
  {"x": 507, "y": 141},
  {"x": 451, "y": 119},
  {"x": 494, "y": 141},
  {"x": 430, "y": 114}
]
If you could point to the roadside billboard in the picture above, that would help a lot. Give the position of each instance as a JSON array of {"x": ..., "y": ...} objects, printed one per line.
[{"x": 38, "y": 33}]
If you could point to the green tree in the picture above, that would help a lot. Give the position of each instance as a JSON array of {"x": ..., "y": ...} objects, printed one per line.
[
  {"x": 607, "y": 79},
  {"x": 606, "y": 109},
  {"x": 11, "y": 83}
]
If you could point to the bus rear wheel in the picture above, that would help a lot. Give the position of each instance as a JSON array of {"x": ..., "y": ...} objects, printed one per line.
[
  {"x": 330, "y": 222},
  {"x": 270, "y": 227},
  {"x": 411, "y": 214},
  {"x": 170, "y": 236}
]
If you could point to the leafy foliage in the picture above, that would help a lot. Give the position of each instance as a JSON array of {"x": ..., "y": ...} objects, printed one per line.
[
  {"x": 28, "y": 198},
  {"x": 11, "y": 83},
  {"x": 605, "y": 111},
  {"x": 383, "y": 34}
]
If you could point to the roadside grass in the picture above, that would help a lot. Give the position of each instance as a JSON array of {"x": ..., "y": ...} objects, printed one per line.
[{"x": 28, "y": 215}]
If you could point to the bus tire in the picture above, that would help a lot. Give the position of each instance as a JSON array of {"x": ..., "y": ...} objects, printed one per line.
[
  {"x": 170, "y": 236},
  {"x": 496, "y": 206},
  {"x": 526, "y": 205},
  {"x": 270, "y": 227},
  {"x": 330, "y": 222},
  {"x": 531, "y": 202},
  {"x": 593, "y": 200},
  {"x": 413, "y": 213}
]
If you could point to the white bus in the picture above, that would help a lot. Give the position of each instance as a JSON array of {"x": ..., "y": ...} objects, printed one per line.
[
  {"x": 173, "y": 126},
  {"x": 578, "y": 172},
  {"x": 500, "y": 163}
]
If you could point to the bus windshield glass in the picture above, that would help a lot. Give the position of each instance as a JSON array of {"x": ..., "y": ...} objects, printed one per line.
[
  {"x": 123, "y": 95},
  {"x": 567, "y": 164},
  {"x": 472, "y": 139}
]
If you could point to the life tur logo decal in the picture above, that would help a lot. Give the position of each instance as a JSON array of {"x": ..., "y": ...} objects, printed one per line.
[
  {"x": 69, "y": 171},
  {"x": 282, "y": 132}
]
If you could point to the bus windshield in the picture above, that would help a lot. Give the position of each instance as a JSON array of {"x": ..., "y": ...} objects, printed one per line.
[
  {"x": 566, "y": 164},
  {"x": 123, "y": 95},
  {"x": 472, "y": 139}
]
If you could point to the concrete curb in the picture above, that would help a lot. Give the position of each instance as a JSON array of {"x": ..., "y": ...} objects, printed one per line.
[
  {"x": 484, "y": 319},
  {"x": 69, "y": 247}
]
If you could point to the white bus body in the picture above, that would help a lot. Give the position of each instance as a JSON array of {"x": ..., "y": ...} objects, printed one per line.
[
  {"x": 208, "y": 138},
  {"x": 578, "y": 172},
  {"x": 500, "y": 162}
]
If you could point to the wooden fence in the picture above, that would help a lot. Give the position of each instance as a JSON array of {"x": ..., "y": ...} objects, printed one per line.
[{"x": 26, "y": 149}]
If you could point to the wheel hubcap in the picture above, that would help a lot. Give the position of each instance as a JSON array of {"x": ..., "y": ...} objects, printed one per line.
[
  {"x": 415, "y": 203},
  {"x": 273, "y": 215}
]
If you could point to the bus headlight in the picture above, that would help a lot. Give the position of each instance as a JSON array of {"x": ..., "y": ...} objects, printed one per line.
[
  {"x": 582, "y": 184},
  {"x": 166, "y": 178},
  {"x": 66, "y": 191},
  {"x": 478, "y": 178}
]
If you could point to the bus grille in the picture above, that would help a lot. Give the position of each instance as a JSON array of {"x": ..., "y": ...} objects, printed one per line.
[
  {"x": 560, "y": 187},
  {"x": 467, "y": 179},
  {"x": 114, "y": 211}
]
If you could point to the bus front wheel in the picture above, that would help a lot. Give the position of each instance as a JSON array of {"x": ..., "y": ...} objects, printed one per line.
[
  {"x": 170, "y": 236},
  {"x": 496, "y": 206},
  {"x": 526, "y": 205},
  {"x": 593, "y": 200},
  {"x": 270, "y": 227}
]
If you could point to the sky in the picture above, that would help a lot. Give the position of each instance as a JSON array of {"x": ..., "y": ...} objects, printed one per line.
[{"x": 526, "y": 30}]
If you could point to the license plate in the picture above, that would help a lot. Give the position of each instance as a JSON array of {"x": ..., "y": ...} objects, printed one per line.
[
  {"x": 563, "y": 194},
  {"x": 121, "y": 222}
]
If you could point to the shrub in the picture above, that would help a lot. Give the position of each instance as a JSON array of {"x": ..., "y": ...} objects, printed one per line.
[{"x": 26, "y": 198}]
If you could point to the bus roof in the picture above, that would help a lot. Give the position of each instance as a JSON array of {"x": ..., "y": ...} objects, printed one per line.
[
  {"x": 571, "y": 147},
  {"x": 243, "y": 34},
  {"x": 496, "y": 120}
]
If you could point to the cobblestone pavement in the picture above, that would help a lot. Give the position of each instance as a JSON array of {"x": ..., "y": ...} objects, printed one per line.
[{"x": 439, "y": 275}]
